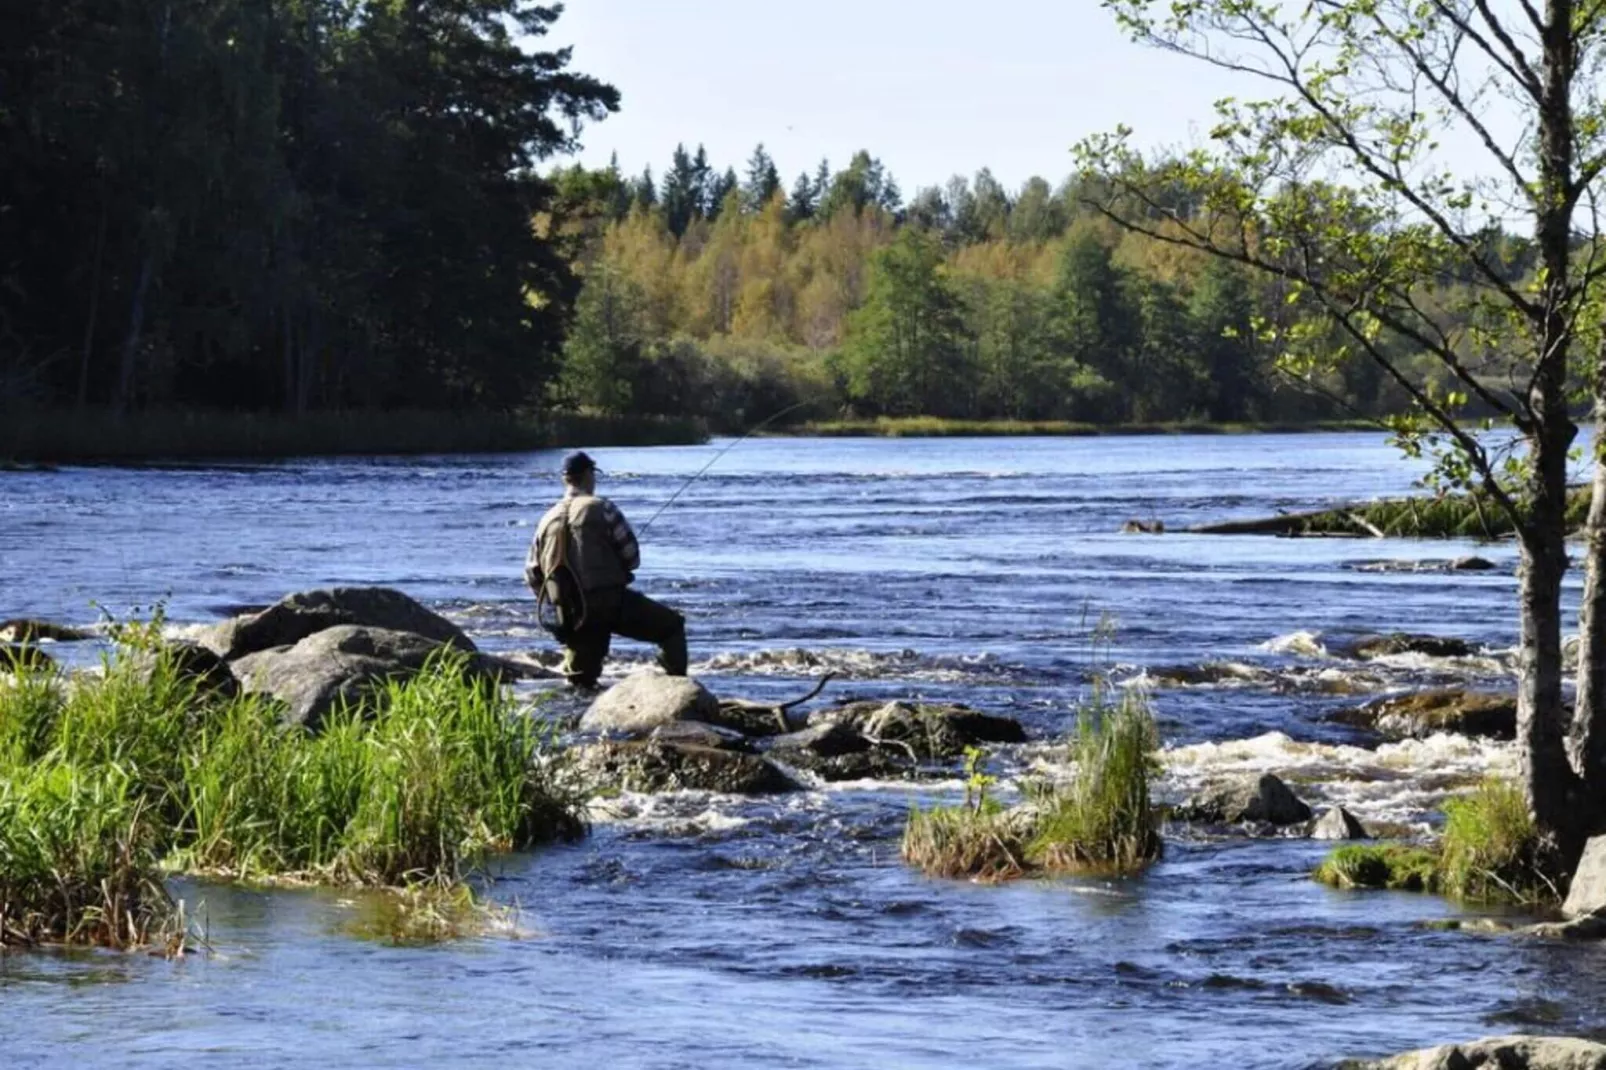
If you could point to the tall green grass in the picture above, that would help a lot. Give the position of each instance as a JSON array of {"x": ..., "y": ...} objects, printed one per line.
[
  {"x": 108, "y": 782},
  {"x": 1467, "y": 516},
  {"x": 1101, "y": 821},
  {"x": 1490, "y": 851}
]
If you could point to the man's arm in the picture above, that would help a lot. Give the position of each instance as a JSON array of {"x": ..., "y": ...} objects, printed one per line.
[
  {"x": 623, "y": 537},
  {"x": 532, "y": 565}
]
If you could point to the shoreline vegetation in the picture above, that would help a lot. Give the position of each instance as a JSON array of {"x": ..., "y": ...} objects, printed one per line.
[
  {"x": 1445, "y": 516},
  {"x": 111, "y": 783},
  {"x": 97, "y": 436}
]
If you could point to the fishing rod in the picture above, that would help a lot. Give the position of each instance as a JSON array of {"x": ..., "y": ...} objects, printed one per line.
[{"x": 749, "y": 433}]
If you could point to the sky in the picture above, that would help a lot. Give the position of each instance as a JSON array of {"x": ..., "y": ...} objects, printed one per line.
[{"x": 933, "y": 87}]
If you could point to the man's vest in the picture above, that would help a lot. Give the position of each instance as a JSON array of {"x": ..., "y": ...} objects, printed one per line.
[{"x": 591, "y": 552}]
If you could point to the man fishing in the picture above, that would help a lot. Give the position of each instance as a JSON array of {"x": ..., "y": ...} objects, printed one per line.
[{"x": 580, "y": 566}]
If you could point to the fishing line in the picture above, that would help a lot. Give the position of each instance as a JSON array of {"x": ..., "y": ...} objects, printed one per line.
[{"x": 699, "y": 473}]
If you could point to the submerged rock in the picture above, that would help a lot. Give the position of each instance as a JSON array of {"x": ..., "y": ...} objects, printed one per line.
[
  {"x": 1143, "y": 527},
  {"x": 1424, "y": 713},
  {"x": 923, "y": 732},
  {"x": 702, "y": 735},
  {"x": 1395, "y": 643},
  {"x": 1247, "y": 799},
  {"x": 24, "y": 631},
  {"x": 1587, "y": 895},
  {"x": 653, "y": 765},
  {"x": 335, "y": 665},
  {"x": 1471, "y": 564},
  {"x": 1338, "y": 824},
  {"x": 643, "y": 701},
  {"x": 1497, "y": 1053},
  {"x": 297, "y": 616}
]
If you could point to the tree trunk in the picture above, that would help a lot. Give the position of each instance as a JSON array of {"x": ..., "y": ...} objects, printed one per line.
[
  {"x": 1588, "y": 736},
  {"x": 136, "y": 327}
]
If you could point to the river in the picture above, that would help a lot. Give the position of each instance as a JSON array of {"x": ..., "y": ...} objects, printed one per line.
[{"x": 698, "y": 931}]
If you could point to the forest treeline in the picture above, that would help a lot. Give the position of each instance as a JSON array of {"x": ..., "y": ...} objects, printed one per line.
[
  {"x": 281, "y": 204},
  {"x": 732, "y": 296}
]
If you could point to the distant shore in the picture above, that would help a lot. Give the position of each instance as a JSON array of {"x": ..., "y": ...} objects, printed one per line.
[
  {"x": 938, "y": 427},
  {"x": 92, "y": 436}
]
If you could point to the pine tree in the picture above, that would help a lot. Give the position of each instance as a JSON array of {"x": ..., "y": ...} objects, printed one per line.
[
  {"x": 763, "y": 180},
  {"x": 801, "y": 205}
]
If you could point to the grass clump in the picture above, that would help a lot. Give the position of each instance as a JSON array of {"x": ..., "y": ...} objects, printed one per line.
[
  {"x": 1102, "y": 821},
  {"x": 1490, "y": 852},
  {"x": 109, "y": 783},
  {"x": 1392, "y": 866}
]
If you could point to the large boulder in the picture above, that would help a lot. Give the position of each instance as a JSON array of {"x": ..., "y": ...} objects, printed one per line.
[
  {"x": 644, "y": 701},
  {"x": 336, "y": 665},
  {"x": 297, "y": 616},
  {"x": 1498, "y": 1053},
  {"x": 190, "y": 661},
  {"x": 924, "y": 732},
  {"x": 1382, "y": 646},
  {"x": 1264, "y": 799},
  {"x": 1425, "y": 713},
  {"x": 654, "y": 765},
  {"x": 1587, "y": 895}
]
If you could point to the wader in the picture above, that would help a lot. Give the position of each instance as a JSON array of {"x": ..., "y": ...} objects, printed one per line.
[{"x": 627, "y": 613}]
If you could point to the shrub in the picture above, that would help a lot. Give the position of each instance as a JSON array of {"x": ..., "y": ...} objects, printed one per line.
[
  {"x": 982, "y": 841},
  {"x": 1491, "y": 849}
]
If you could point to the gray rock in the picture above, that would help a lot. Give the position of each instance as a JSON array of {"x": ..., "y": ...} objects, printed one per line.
[
  {"x": 191, "y": 661},
  {"x": 653, "y": 766},
  {"x": 1471, "y": 564},
  {"x": 337, "y": 665},
  {"x": 1587, "y": 894},
  {"x": 752, "y": 718},
  {"x": 834, "y": 750},
  {"x": 923, "y": 732},
  {"x": 1425, "y": 713},
  {"x": 643, "y": 701},
  {"x": 1338, "y": 824},
  {"x": 1498, "y": 1053},
  {"x": 1588, "y": 927},
  {"x": 696, "y": 733},
  {"x": 295, "y": 617},
  {"x": 1247, "y": 799}
]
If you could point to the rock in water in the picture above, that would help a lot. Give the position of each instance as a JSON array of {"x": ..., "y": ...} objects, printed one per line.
[
  {"x": 32, "y": 631},
  {"x": 1338, "y": 824},
  {"x": 924, "y": 732},
  {"x": 1265, "y": 799},
  {"x": 655, "y": 765},
  {"x": 1498, "y": 1053},
  {"x": 1588, "y": 892},
  {"x": 642, "y": 701},
  {"x": 1420, "y": 715},
  {"x": 834, "y": 750},
  {"x": 336, "y": 665},
  {"x": 1471, "y": 564},
  {"x": 1433, "y": 646},
  {"x": 295, "y": 617}
]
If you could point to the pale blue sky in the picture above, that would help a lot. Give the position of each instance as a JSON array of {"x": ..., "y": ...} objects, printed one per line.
[{"x": 934, "y": 88}]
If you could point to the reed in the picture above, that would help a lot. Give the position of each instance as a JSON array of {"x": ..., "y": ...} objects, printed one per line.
[
  {"x": 1490, "y": 850},
  {"x": 1392, "y": 866},
  {"x": 983, "y": 842}
]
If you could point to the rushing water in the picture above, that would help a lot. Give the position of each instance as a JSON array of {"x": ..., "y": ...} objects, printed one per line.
[{"x": 704, "y": 931}]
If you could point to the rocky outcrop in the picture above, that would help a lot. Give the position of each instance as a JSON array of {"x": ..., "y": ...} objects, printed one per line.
[
  {"x": 1248, "y": 799},
  {"x": 653, "y": 765},
  {"x": 644, "y": 701},
  {"x": 1395, "y": 643},
  {"x": 1338, "y": 824},
  {"x": 336, "y": 665},
  {"x": 1455, "y": 710},
  {"x": 1498, "y": 1053},
  {"x": 24, "y": 631},
  {"x": 1587, "y": 894},
  {"x": 297, "y": 616},
  {"x": 835, "y": 750},
  {"x": 923, "y": 732}
]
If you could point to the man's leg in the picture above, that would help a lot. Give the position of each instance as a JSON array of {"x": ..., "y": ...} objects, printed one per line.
[
  {"x": 584, "y": 654},
  {"x": 653, "y": 622}
]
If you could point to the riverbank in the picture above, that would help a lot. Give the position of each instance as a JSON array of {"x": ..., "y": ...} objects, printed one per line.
[
  {"x": 97, "y": 436},
  {"x": 940, "y": 427}
]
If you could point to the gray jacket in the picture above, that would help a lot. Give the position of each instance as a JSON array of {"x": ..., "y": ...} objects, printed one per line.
[{"x": 601, "y": 547}]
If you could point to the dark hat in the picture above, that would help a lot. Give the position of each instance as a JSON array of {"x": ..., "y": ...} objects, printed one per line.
[{"x": 578, "y": 464}]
